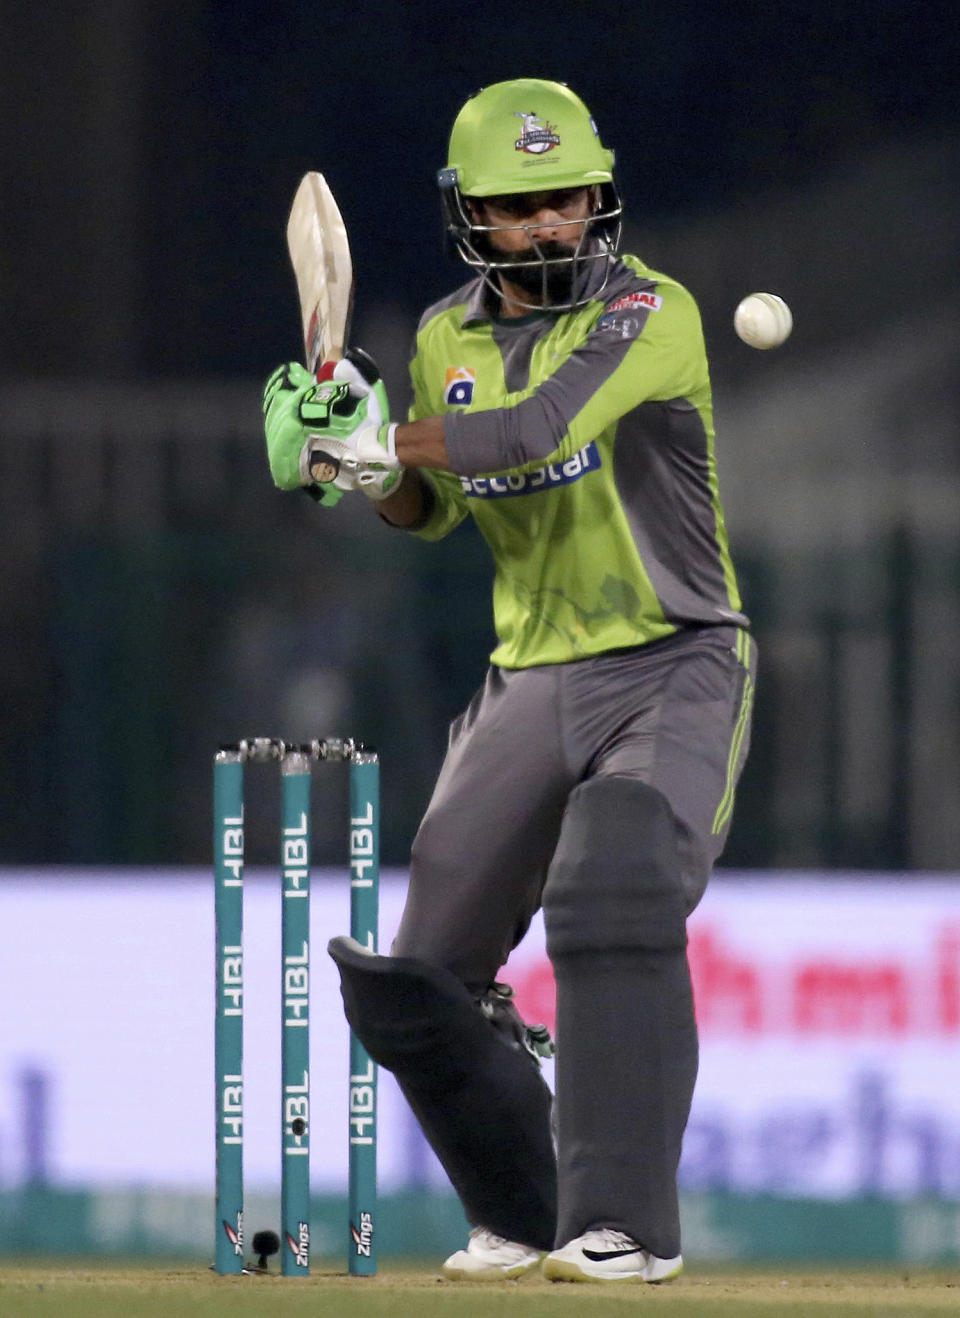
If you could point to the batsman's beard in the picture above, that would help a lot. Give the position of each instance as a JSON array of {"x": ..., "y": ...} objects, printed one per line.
[{"x": 529, "y": 271}]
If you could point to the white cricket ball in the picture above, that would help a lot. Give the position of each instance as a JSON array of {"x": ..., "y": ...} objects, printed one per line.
[{"x": 763, "y": 320}]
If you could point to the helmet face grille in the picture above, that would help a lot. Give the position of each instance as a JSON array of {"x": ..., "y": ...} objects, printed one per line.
[{"x": 581, "y": 276}]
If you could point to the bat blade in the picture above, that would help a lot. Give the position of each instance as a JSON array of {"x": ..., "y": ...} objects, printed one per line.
[{"x": 320, "y": 255}]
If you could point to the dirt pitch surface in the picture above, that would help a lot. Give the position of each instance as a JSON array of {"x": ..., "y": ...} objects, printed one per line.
[{"x": 38, "y": 1291}]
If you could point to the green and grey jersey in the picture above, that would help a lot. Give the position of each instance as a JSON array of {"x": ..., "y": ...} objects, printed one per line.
[{"x": 582, "y": 444}]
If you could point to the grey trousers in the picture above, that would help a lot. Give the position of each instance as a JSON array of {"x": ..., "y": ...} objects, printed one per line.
[{"x": 674, "y": 715}]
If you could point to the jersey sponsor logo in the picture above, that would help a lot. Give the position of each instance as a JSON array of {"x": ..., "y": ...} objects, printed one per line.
[
  {"x": 536, "y": 137},
  {"x": 458, "y": 386},
  {"x": 553, "y": 474},
  {"x": 652, "y": 301},
  {"x": 629, "y": 326}
]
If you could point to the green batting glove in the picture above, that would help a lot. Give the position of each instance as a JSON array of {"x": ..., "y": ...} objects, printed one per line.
[
  {"x": 358, "y": 369},
  {"x": 282, "y": 425},
  {"x": 344, "y": 441},
  {"x": 294, "y": 406},
  {"x": 291, "y": 378},
  {"x": 332, "y": 436}
]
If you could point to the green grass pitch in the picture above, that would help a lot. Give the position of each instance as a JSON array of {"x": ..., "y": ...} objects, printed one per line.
[{"x": 36, "y": 1290}]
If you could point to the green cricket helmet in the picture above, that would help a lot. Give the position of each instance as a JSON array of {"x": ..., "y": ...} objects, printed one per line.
[
  {"x": 529, "y": 135},
  {"x": 526, "y": 136}
]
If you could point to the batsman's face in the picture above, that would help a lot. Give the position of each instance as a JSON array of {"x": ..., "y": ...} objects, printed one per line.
[{"x": 521, "y": 219}]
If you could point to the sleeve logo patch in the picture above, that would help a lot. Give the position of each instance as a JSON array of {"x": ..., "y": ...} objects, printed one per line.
[
  {"x": 458, "y": 386},
  {"x": 652, "y": 301},
  {"x": 624, "y": 316},
  {"x": 553, "y": 474}
]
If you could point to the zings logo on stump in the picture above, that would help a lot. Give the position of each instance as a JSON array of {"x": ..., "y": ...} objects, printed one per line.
[
  {"x": 300, "y": 1248},
  {"x": 235, "y": 1234},
  {"x": 458, "y": 386},
  {"x": 363, "y": 1234}
]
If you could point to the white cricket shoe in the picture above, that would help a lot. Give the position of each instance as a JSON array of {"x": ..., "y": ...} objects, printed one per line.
[
  {"x": 607, "y": 1255},
  {"x": 490, "y": 1258}
]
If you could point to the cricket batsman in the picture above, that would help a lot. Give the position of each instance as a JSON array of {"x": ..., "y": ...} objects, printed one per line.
[{"x": 561, "y": 398}]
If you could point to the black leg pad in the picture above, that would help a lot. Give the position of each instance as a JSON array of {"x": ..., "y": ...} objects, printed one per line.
[{"x": 478, "y": 1096}]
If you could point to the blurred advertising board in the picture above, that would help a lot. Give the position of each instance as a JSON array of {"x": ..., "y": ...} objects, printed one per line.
[{"x": 829, "y": 1010}]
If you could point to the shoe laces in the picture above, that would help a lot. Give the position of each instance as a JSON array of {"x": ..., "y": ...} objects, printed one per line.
[
  {"x": 484, "y": 1242},
  {"x": 607, "y": 1238},
  {"x": 485, "y": 1237}
]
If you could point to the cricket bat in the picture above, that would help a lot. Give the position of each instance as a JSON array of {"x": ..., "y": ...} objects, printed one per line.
[{"x": 320, "y": 255}]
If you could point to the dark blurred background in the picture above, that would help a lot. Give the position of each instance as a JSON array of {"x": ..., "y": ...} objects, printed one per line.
[{"x": 157, "y": 595}]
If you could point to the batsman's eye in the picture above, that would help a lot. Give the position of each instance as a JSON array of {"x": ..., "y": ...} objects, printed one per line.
[{"x": 523, "y": 205}]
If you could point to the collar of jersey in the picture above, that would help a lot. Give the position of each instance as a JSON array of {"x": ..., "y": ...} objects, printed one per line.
[{"x": 477, "y": 310}]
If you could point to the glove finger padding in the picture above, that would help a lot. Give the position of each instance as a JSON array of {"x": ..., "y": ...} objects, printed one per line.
[
  {"x": 283, "y": 395},
  {"x": 289, "y": 379}
]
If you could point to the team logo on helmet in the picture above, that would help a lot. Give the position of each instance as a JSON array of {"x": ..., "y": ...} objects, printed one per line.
[
  {"x": 536, "y": 137},
  {"x": 458, "y": 386}
]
